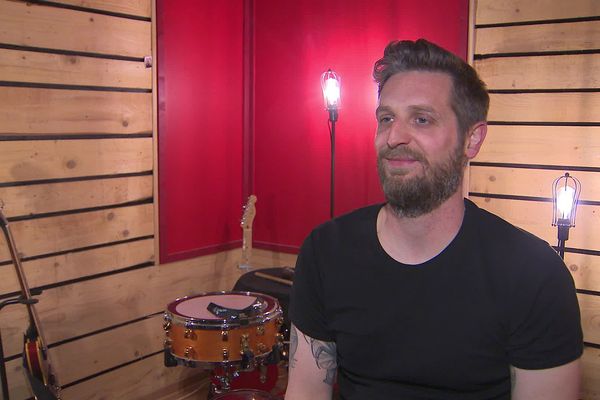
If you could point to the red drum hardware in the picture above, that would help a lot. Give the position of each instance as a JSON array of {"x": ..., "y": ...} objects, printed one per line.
[{"x": 226, "y": 332}]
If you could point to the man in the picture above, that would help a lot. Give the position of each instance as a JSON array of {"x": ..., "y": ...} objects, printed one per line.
[{"x": 427, "y": 296}]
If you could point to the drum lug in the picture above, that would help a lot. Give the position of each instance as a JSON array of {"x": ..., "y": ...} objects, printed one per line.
[
  {"x": 189, "y": 334},
  {"x": 260, "y": 330},
  {"x": 246, "y": 353},
  {"x": 225, "y": 355},
  {"x": 225, "y": 336},
  {"x": 189, "y": 352},
  {"x": 167, "y": 325}
]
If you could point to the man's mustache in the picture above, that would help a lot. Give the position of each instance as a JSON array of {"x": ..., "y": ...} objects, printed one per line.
[{"x": 402, "y": 152}]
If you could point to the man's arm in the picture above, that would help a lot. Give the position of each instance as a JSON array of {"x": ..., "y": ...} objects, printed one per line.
[
  {"x": 559, "y": 383},
  {"x": 313, "y": 367}
]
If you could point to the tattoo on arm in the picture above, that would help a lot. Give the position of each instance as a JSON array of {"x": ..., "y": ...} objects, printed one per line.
[{"x": 324, "y": 353}]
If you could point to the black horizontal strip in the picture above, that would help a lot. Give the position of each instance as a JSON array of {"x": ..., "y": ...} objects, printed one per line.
[
  {"x": 590, "y": 292},
  {"x": 593, "y": 345},
  {"x": 80, "y": 249},
  {"x": 536, "y": 53},
  {"x": 74, "y": 179},
  {"x": 91, "y": 10},
  {"x": 76, "y": 136},
  {"x": 82, "y": 279},
  {"x": 543, "y": 123},
  {"x": 97, "y": 374},
  {"x": 574, "y": 250},
  {"x": 525, "y": 91},
  {"x": 539, "y": 22},
  {"x": 36, "y": 85},
  {"x": 70, "y": 52},
  {"x": 147, "y": 200},
  {"x": 528, "y": 198},
  {"x": 535, "y": 166}
]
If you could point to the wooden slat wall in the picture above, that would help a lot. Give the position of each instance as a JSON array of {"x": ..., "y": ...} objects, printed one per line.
[
  {"x": 540, "y": 60},
  {"x": 77, "y": 155}
]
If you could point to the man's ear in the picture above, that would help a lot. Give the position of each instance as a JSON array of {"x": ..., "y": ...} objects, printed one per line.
[{"x": 475, "y": 139}]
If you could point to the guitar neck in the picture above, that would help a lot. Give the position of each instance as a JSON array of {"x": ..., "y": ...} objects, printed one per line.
[{"x": 246, "y": 246}]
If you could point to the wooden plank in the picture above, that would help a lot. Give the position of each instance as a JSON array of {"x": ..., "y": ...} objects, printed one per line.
[
  {"x": 529, "y": 182},
  {"x": 65, "y": 267},
  {"x": 63, "y": 196},
  {"x": 54, "y": 111},
  {"x": 585, "y": 270},
  {"x": 545, "y": 107},
  {"x": 590, "y": 313},
  {"x": 17, "y": 383},
  {"x": 543, "y": 145},
  {"x": 543, "y": 72},
  {"x": 591, "y": 374},
  {"x": 34, "y": 67},
  {"x": 536, "y": 217},
  {"x": 538, "y": 38},
  {"x": 22, "y": 161},
  {"x": 146, "y": 379},
  {"x": 140, "y": 8},
  {"x": 84, "y": 357},
  {"x": 84, "y": 307},
  {"x": 30, "y": 24},
  {"x": 507, "y": 11},
  {"x": 69, "y": 232}
]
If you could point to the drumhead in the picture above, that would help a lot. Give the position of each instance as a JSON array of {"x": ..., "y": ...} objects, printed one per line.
[
  {"x": 193, "y": 310},
  {"x": 244, "y": 394}
]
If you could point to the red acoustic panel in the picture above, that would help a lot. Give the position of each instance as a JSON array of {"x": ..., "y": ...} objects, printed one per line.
[
  {"x": 296, "y": 41},
  {"x": 200, "y": 92}
]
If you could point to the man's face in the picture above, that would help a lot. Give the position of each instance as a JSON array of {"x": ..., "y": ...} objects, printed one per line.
[{"x": 420, "y": 157}]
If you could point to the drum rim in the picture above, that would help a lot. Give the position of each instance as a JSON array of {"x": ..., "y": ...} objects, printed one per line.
[{"x": 223, "y": 323}]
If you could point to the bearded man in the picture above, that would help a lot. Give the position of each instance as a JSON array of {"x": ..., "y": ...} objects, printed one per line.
[{"x": 428, "y": 296}]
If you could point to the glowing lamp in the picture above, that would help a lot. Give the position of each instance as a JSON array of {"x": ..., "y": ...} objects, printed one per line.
[
  {"x": 331, "y": 86},
  {"x": 565, "y": 195}
]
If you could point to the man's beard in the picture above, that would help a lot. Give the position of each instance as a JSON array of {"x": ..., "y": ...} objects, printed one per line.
[{"x": 419, "y": 195}]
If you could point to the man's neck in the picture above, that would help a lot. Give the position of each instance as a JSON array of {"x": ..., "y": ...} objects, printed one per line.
[{"x": 416, "y": 240}]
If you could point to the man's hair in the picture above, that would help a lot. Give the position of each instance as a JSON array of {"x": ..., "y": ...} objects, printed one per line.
[{"x": 469, "y": 98}]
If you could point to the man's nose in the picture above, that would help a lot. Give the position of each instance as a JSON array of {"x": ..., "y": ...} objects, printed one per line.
[{"x": 399, "y": 135}]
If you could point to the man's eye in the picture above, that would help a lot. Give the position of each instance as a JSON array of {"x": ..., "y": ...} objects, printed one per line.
[
  {"x": 421, "y": 120},
  {"x": 384, "y": 120}
]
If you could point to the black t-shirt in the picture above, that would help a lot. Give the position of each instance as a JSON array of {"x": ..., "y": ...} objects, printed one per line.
[{"x": 446, "y": 329}]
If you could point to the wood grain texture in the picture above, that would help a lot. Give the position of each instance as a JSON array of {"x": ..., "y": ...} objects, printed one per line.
[
  {"x": 140, "y": 8},
  {"x": 545, "y": 145},
  {"x": 146, "y": 379},
  {"x": 585, "y": 270},
  {"x": 538, "y": 38},
  {"x": 541, "y": 72},
  {"x": 509, "y": 11},
  {"x": 591, "y": 374},
  {"x": 536, "y": 217},
  {"x": 35, "y": 111},
  {"x": 84, "y": 357},
  {"x": 78, "y": 264},
  {"x": 84, "y": 307},
  {"x": 69, "y": 232},
  {"x": 545, "y": 107},
  {"x": 34, "y": 160},
  {"x": 30, "y": 24},
  {"x": 590, "y": 313},
  {"x": 34, "y": 67},
  {"x": 529, "y": 182},
  {"x": 64, "y": 196}
]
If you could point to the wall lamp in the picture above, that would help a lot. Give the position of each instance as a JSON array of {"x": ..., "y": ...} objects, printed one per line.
[
  {"x": 331, "y": 86},
  {"x": 565, "y": 195}
]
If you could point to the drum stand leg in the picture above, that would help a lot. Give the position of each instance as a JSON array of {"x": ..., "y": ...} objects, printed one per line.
[{"x": 223, "y": 375}]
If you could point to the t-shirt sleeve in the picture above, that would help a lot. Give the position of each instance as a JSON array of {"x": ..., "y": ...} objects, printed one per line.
[
  {"x": 307, "y": 312},
  {"x": 545, "y": 328}
]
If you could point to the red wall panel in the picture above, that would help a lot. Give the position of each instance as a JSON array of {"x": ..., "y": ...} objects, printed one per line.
[
  {"x": 294, "y": 42},
  {"x": 200, "y": 91}
]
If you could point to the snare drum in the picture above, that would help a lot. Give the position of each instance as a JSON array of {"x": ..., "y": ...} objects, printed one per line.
[
  {"x": 245, "y": 395},
  {"x": 223, "y": 327}
]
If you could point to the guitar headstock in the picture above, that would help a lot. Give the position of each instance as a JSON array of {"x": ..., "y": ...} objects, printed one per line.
[{"x": 249, "y": 213}]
